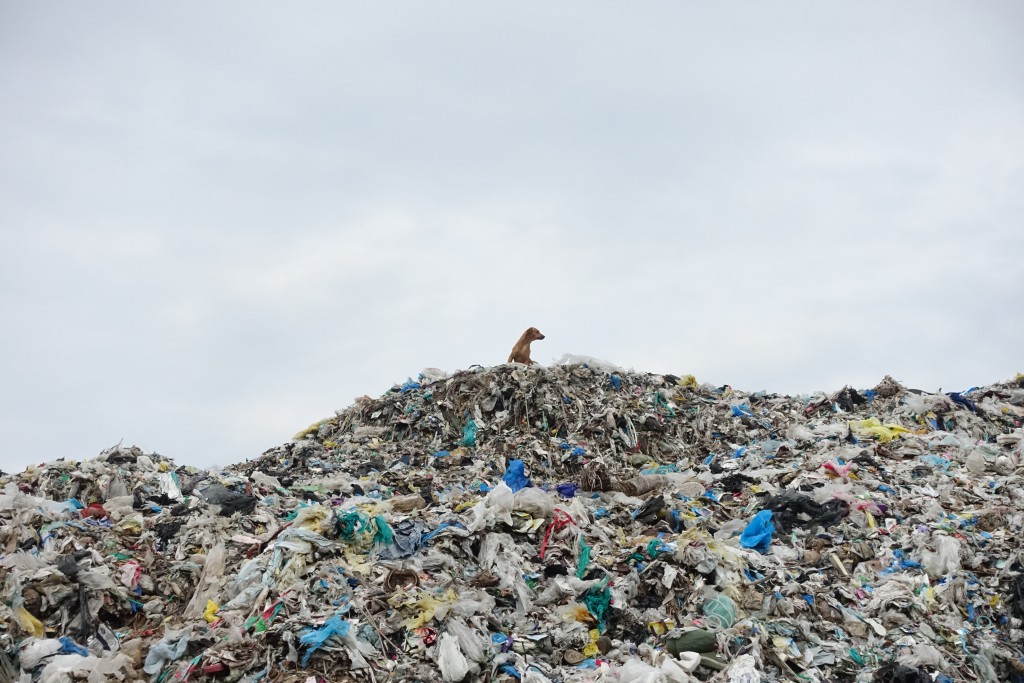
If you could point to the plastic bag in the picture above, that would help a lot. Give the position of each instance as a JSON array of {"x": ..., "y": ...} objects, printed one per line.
[
  {"x": 744, "y": 670},
  {"x": 638, "y": 671},
  {"x": 676, "y": 671},
  {"x": 495, "y": 506},
  {"x": 976, "y": 463},
  {"x": 535, "y": 502},
  {"x": 873, "y": 427},
  {"x": 29, "y": 623},
  {"x": 34, "y": 650},
  {"x": 689, "y": 661},
  {"x": 470, "y": 642},
  {"x": 515, "y": 476},
  {"x": 167, "y": 650},
  {"x": 229, "y": 501},
  {"x": 896, "y": 673},
  {"x": 759, "y": 532},
  {"x": 65, "y": 668},
  {"x": 469, "y": 433},
  {"x": 453, "y": 664},
  {"x": 946, "y": 558},
  {"x": 314, "y": 639}
]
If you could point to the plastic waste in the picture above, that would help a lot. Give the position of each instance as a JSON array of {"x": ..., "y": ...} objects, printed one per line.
[
  {"x": 381, "y": 536},
  {"x": 515, "y": 476},
  {"x": 744, "y": 669},
  {"x": 314, "y": 639},
  {"x": 720, "y": 610},
  {"x": 170, "y": 649},
  {"x": 450, "y": 658},
  {"x": 896, "y": 673},
  {"x": 758, "y": 533},
  {"x": 944, "y": 560},
  {"x": 469, "y": 433}
]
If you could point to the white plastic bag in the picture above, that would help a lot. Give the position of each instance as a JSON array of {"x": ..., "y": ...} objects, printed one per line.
[
  {"x": 496, "y": 506},
  {"x": 450, "y": 660},
  {"x": 945, "y": 560},
  {"x": 471, "y": 642},
  {"x": 744, "y": 670},
  {"x": 638, "y": 671},
  {"x": 534, "y": 501}
]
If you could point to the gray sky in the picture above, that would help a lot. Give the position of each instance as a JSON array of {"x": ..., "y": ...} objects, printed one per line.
[{"x": 221, "y": 222}]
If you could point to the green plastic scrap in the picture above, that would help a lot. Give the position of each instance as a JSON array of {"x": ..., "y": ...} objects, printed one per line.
[
  {"x": 469, "y": 433},
  {"x": 585, "y": 550},
  {"x": 255, "y": 622},
  {"x": 597, "y": 600},
  {"x": 653, "y": 548},
  {"x": 662, "y": 406},
  {"x": 384, "y": 534},
  {"x": 348, "y": 523}
]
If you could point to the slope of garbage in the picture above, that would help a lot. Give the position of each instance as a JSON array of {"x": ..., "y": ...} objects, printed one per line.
[{"x": 568, "y": 523}]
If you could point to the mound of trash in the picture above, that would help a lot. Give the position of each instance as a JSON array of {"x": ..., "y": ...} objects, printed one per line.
[{"x": 568, "y": 523}]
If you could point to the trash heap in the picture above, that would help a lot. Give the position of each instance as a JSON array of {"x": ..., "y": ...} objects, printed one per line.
[{"x": 568, "y": 523}]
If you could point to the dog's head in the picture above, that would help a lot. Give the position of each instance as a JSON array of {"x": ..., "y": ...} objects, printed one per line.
[{"x": 533, "y": 333}]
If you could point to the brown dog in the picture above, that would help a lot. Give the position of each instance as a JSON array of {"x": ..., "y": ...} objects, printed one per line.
[{"x": 521, "y": 351}]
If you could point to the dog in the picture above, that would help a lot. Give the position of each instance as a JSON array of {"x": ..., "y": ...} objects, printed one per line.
[{"x": 521, "y": 351}]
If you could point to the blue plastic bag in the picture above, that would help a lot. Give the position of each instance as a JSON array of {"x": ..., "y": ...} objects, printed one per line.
[
  {"x": 515, "y": 476},
  {"x": 315, "y": 638},
  {"x": 70, "y": 647},
  {"x": 567, "y": 490},
  {"x": 758, "y": 534}
]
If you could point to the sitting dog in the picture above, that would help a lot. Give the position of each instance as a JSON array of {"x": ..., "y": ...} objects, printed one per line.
[{"x": 521, "y": 351}]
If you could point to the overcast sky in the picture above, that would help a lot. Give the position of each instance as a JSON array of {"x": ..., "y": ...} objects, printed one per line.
[{"x": 220, "y": 222}]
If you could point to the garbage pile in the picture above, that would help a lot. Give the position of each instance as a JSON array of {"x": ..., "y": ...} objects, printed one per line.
[{"x": 568, "y": 523}]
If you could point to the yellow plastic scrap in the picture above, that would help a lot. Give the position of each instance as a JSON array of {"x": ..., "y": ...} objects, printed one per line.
[
  {"x": 310, "y": 517},
  {"x": 315, "y": 427},
  {"x": 426, "y": 607},
  {"x": 688, "y": 381},
  {"x": 873, "y": 427},
  {"x": 29, "y": 623},
  {"x": 591, "y": 650},
  {"x": 211, "y": 611},
  {"x": 929, "y": 597},
  {"x": 131, "y": 525}
]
